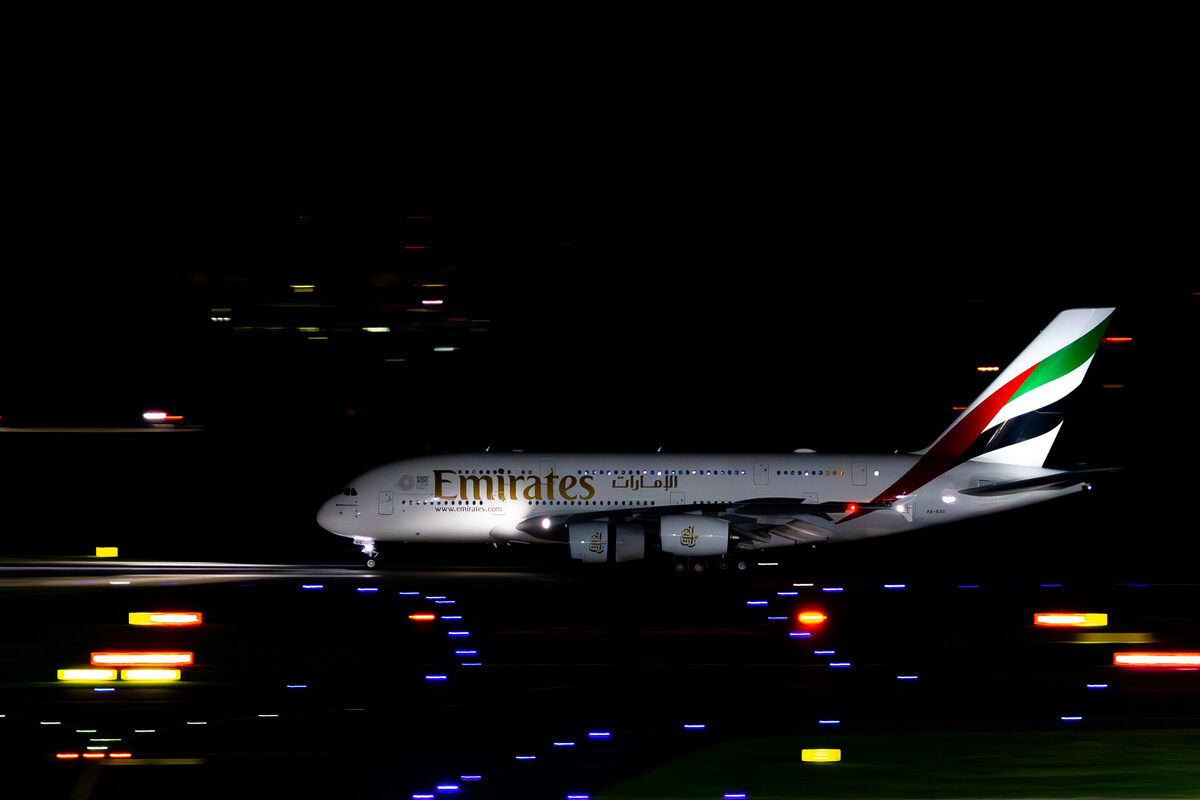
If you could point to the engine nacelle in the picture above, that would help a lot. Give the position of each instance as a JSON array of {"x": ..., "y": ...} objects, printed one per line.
[
  {"x": 691, "y": 535},
  {"x": 592, "y": 543}
]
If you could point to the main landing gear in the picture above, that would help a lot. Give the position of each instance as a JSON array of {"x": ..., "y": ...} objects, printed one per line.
[{"x": 721, "y": 564}]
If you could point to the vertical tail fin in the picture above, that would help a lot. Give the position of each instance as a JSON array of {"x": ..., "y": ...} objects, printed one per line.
[{"x": 1017, "y": 418}]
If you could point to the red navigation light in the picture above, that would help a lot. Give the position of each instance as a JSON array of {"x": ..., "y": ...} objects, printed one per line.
[{"x": 850, "y": 509}]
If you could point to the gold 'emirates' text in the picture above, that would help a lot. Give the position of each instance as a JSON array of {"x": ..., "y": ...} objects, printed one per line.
[{"x": 512, "y": 487}]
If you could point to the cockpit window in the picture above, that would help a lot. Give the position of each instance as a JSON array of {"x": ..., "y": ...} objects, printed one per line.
[{"x": 348, "y": 492}]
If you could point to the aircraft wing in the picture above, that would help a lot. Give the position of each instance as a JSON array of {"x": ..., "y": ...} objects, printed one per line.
[
  {"x": 1056, "y": 480},
  {"x": 791, "y": 517}
]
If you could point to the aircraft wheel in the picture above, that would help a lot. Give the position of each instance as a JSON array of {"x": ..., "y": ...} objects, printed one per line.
[
  {"x": 742, "y": 566},
  {"x": 678, "y": 566},
  {"x": 370, "y": 563},
  {"x": 699, "y": 566},
  {"x": 723, "y": 565}
]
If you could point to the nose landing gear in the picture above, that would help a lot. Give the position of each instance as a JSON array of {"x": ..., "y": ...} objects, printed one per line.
[{"x": 369, "y": 551}]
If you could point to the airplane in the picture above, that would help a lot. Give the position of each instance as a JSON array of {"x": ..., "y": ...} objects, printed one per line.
[{"x": 706, "y": 509}]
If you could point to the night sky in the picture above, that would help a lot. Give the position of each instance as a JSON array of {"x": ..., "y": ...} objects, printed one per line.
[{"x": 690, "y": 322}]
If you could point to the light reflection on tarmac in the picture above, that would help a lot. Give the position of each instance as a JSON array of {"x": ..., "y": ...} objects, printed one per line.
[{"x": 535, "y": 682}]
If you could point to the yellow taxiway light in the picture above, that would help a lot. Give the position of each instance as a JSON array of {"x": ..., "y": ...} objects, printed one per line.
[
  {"x": 1070, "y": 619},
  {"x": 106, "y": 552},
  {"x": 151, "y": 674},
  {"x": 821, "y": 754},
  {"x": 1108, "y": 637},
  {"x": 89, "y": 675},
  {"x": 165, "y": 618},
  {"x": 158, "y": 659}
]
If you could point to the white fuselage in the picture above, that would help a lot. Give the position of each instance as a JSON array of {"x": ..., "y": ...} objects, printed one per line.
[{"x": 483, "y": 497}]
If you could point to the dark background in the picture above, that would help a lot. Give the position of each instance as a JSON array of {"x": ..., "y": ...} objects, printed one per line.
[{"x": 691, "y": 323}]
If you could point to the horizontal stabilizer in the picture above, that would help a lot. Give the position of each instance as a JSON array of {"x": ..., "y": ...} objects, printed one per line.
[{"x": 1057, "y": 480}]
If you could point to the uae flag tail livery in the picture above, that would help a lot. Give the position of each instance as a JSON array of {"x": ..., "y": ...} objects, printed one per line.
[{"x": 1016, "y": 419}]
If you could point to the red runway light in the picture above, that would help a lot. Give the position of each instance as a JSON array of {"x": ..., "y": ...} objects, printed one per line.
[
  {"x": 811, "y": 618},
  {"x": 142, "y": 659},
  {"x": 422, "y": 617},
  {"x": 165, "y": 618},
  {"x": 1149, "y": 659}
]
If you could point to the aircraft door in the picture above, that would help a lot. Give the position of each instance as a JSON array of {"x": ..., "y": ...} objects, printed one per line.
[
  {"x": 858, "y": 471},
  {"x": 387, "y": 502},
  {"x": 762, "y": 473}
]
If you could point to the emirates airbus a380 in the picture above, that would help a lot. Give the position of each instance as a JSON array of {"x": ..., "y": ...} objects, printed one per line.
[{"x": 702, "y": 509}]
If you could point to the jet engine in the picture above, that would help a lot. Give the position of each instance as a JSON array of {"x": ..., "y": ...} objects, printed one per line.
[
  {"x": 598, "y": 542},
  {"x": 694, "y": 536}
]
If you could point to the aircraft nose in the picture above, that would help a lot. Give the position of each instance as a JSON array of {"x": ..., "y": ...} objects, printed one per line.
[{"x": 329, "y": 516}]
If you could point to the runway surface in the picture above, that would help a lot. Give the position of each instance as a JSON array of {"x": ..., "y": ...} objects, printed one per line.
[{"x": 547, "y": 679}]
